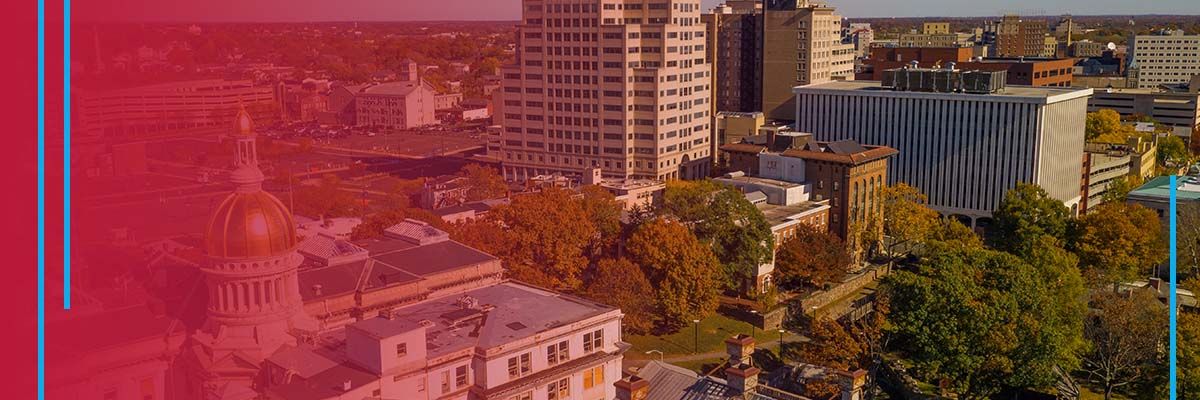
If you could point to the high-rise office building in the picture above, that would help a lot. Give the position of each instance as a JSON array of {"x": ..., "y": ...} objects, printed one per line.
[
  {"x": 1016, "y": 37},
  {"x": 1164, "y": 58},
  {"x": 734, "y": 54},
  {"x": 621, "y": 85},
  {"x": 754, "y": 45},
  {"x": 963, "y": 146},
  {"x": 801, "y": 45}
]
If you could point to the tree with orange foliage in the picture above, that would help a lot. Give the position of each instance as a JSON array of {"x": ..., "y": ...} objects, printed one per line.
[
  {"x": 684, "y": 271},
  {"x": 541, "y": 237}
]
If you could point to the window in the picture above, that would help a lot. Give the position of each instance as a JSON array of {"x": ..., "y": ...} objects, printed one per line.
[
  {"x": 559, "y": 390},
  {"x": 519, "y": 366},
  {"x": 460, "y": 377},
  {"x": 593, "y": 377},
  {"x": 557, "y": 353},
  {"x": 593, "y": 341},
  {"x": 401, "y": 350},
  {"x": 445, "y": 382},
  {"x": 523, "y": 396}
]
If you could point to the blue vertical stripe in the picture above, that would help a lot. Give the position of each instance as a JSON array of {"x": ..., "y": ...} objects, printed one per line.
[
  {"x": 1174, "y": 310},
  {"x": 41, "y": 199},
  {"x": 66, "y": 154}
]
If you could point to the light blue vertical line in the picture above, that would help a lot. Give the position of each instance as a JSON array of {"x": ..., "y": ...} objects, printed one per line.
[
  {"x": 66, "y": 154},
  {"x": 41, "y": 200},
  {"x": 1174, "y": 306}
]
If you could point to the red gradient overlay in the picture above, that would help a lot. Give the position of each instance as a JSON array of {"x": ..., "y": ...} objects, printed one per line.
[{"x": 20, "y": 177}]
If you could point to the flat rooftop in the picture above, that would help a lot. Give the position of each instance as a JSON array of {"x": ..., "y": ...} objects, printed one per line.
[
  {"x": 760, "y": 181},
  {"x": 1160, "y": 189},
  {"x": 777, "y": 214},
  {"x": 1011, "y": 93}
]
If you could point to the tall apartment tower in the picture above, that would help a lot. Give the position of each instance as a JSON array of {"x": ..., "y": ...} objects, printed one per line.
[
  {"x": 622, "y": 85},
  {"x": 1164, "y": 58},
  {"x": 801, "y": 45},
  {"x": 733, "y": 51},
  {"x": 1020, "y": 38}
]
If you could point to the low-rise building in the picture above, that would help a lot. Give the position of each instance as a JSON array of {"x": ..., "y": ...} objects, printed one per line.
[
  {"x": 1180, "y": 111},
  {"x": 504, "y": 341},
  {"x": 395, "y": 105},
  {"x": 1156, "y": 194},
  {"x": 1106, "y": 163}
]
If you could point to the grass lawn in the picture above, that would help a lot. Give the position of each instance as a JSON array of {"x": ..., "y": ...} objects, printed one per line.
[{"x": 713, "y": 332}]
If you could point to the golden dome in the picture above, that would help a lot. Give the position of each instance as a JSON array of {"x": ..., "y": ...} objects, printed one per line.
[{"x": 250, "y": 224}]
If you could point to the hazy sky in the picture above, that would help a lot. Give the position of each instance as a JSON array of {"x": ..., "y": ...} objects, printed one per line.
[{"x": 393, "y": 10}]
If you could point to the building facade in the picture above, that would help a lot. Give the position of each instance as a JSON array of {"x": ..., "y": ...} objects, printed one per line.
[
  {"x": 801, "y": 45},
  {"x": 963, "y": 150},
  {"x": 484, "y": 344},
  {"x": 1180, "y": 111},
  {"x": 1016, "y": 37},
  {"x": 621, "y": 85},
  {"x": 395, "y": 105},
  {"x": 1026, "y": 71},
  {"x": 147, "y": 110},
  {"x": 733, "y": 52},
  {"x": 1165, "y": 58}
]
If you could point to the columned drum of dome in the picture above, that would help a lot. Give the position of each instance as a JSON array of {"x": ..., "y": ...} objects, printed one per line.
[{"x": 254, "y": 302}]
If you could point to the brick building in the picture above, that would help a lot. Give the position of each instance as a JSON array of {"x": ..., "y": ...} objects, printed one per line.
[{"x": 1025, "y": 71}]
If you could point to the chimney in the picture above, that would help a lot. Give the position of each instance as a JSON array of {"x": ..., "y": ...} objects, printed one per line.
[
  {"x": 739, "y": 347},
  {"x": 1156, "y": 283},
  {"x": 592, "y": 176},
  {"x": 852, "y": 384},
  {"x": 632, "y": 388},
  {"x": 316, "y": 289},
  {"x": 743, "y": 379},
  {"x": 742, "y": 375}
]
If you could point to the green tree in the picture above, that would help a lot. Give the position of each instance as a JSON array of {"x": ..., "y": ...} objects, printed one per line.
[
  {"x": 1187, "y": 240},
  {"x": 983, "y": 321},
  {"x": 1119, "y": 242},
  {"x": 1025, "y": 215},
  {"x": 1172, "y": 152},
  {"x": 811, "y": 258},
  {"x": 603, "y": 209},
  {"x": 721, "y": 216},
  {"x": 684, "y": 271},
  {"x": 620, "y": 283},
  {"x": 1126, "y": 332},
  {"x": 1188, "y": 342},
  {"x": 1119, "y": 189}
]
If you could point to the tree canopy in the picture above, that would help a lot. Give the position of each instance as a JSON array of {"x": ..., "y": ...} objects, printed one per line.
[
  {"x": 811, "y": 258},
  {"x": 984, "y": 321},
  {"x": 541, "y": 237},
  {"x": 1026, "y": 214},
  {"x": 684, "y": 271},
  {"x": 483, "y": 183},
  {"x": 1105, "y": 126},
  {"x": 1126, "y": 332},
  {"x": 721, "y": 216},
  {"x": 621, "y": 283},
  {"x": 1119, "y": 242}
]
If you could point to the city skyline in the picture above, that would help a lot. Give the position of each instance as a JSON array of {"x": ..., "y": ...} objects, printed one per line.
[{"x": 508, "y": 10}]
